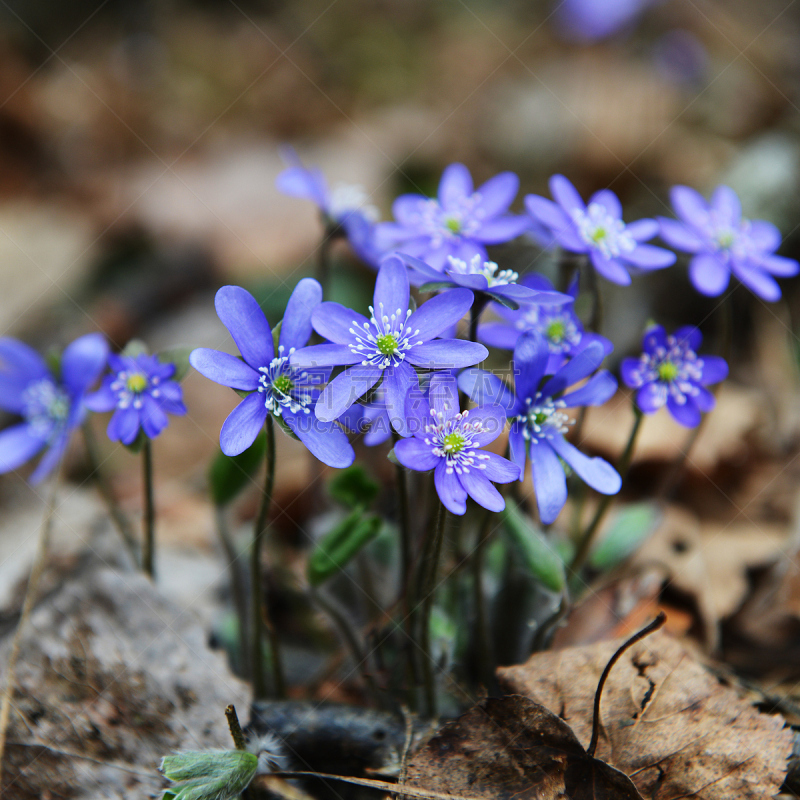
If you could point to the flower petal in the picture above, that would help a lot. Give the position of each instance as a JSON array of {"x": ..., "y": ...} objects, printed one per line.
[
  {"x": 715, "y": 369},
  {"x": 779, "y": 265},
  {"x": 709, "y": 274},
  {"x": 21, "y": 361},
  {"x": 51, "y": 458},
  {"x": 446, "y": 354},
  {"x": 325, "y": 440},
  {"x": 485, "y": 388},
  {"x": 727, "y": 205},
  {"x": 397, "y": 383},
  {"x": 407, "y": 208},
  {"x": 549, "y": 481},
  {"x": 497, "y": 194},
  {"x": 224, "y": 369},
  {"x": 704, "y": 400},
  {"x": 648, "y": 256},
  {"x": 566, "y": 194},
  {"x": 418, "y": 412},
  {"x": 344, "y": 390},
  {"x": 243, "y": 424},
  {"x": 17, "y": 445},
  {"x": 578, "y": 368},
  {"x": 687, "y": 414},
  {"x": 499, "y": 469},
  {"x": 765, "y": 235},
  {"x": 391, "y": 288},
  {"x": 651, "y": 397},
  {"x": 531, "y": 354},
  {"x": 609, "y": 201},
  {"x": 518, "y": 447},
  {"x": 628, "y": 371},
  {"x": 104, "y": 399},
  {"x": 689, "y": 205},
  {"x": 481, "y": 490},
  {"x": 334, "y": 322},
  {"x": 246, "y": 323},
  {"x": 502, "y": 229},
  {"x": 296, "y": 325},
  {"x": 439, "y": 313},
  {"x": 421, "y": 268},
  {"x": 642, "y": 229},
  {"x": 610, "y": 268},
  {"x": 154, "y": 420},
  {"x": 324, "y": 355},
  {"x": 83, "y": 361},
  {"x": 596, "y": 472},
  {"x": 690, "y": 336},
  {"x": 498, "y": 334},
  {"x": 490, "y": 419},
  {"x": 413, "y": 453},
  {"x": 443, "y": 395},
  {"x": 681, "y": 236},
  {"x": 449, "y": 488},
  {"x": 596, "y": 391},
  {"x": 455, "y": 185},
  {"x": 123, "y": 425},
  {"x": 760, "y": 283}
]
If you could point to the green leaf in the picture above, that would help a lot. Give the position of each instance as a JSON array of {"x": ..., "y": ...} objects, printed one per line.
[
  {"x": 435, "y": 286},
  {"x": 538, "y": 554},
  {"x": 211, "y": 775},
  {"x": 276, "y": 337},
  {"x": 504, "y": 301},
  {"x": 228, "y": 475},
  {"x": 53, "y": 360},
  {"x": 353, "y": 487},
  {"x": 392, "y": 456},
  {"x": 179, "y": 356},
  {"x": 135, "y": 347},
  {"x": 340, "y": 545},
  {"x": 629, "y": 528}
]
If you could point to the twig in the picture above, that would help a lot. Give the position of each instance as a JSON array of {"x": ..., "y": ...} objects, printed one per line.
[
  {"x": 235, "y": 728},
  {"x": 149, "y": 543}
]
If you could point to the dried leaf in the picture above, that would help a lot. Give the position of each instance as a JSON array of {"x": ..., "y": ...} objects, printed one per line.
[
  {"x": 667, "y": 722},
  {"x": 514, "y": 748}
]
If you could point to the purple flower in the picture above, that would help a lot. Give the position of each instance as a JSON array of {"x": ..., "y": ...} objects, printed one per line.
[
  {"x": 559, "y": 325},
  {"x": 449, "y": 442},
  {"x": 590, "y": 20},
  {"x": 141, "y": 393},
  {"x": 459, "y": 223},
  {"x": 539, "y": 421},
  {"x": 345, "y": 208},
  {"x": 275, "y": 385},
  {"x": 483, "y": 278},
  {"x": 598, "y": 230},
  {"x": 669, "y": 371},
  {"x": 723, "y": 242},
  {"x": 50, "y": 407},
  {"x": 388, "y": 345},
  {"x": 370, "y": 419}
]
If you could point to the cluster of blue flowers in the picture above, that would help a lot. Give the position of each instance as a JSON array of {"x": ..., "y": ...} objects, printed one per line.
[{"x": 400, "y": 367}]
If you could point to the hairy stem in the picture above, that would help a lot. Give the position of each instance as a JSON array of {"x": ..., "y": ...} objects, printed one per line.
[
  {"x": 148, "y": 544},
  {"x": 483, "y": 640},
  {"x": 623, "y": 466}
]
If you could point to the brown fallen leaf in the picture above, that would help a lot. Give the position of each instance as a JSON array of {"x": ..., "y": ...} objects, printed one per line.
[
  {"x": 511, "y": 747},
  {"x": 667, "y": 722}
]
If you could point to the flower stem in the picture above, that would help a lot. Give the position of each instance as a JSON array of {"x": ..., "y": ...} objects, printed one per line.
[
  {"x": 596, "y": 319},
  {"x": 477, "y": 307},
  {"x": 427, "y": 594},
  {"x": 332, "y": 233},
  {"x": 623, "y": 466},
  {"x": 118, "y": 517},
  {"x": 148, "y": 545},
  {"x": 483, "y": 641},
  {"x": 27, "y": 607},
  {"x": 258, "y": 611}
]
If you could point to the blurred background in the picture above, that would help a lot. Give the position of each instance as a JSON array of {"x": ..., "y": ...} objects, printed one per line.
[{"x": 139, "y": 146}]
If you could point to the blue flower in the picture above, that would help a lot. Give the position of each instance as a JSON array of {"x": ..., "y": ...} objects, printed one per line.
[
  {"x": 370, "y": 419},
  {"x": 275, "y": 385},
  {"x": 722, "y": 242},
  {"x": 483, "y": 278},
  {"x": 598, "y": 230},
  {"x": 559, "y": 325},
  {"x": 590, "y": 20},
  {"x": 460, "y": 222},
  {"x": 345, "y": 208},
  {"x": 141, "y": 393},
  {"x": 449, "y": 442},
  {"x": 670, "y": 372},
  {"x": 539, "y": 421},
  {"x": 388, "y": 345},
  {"x": 50, "y": 407}
]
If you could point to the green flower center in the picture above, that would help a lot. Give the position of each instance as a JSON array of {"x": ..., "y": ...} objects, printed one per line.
[
  {"x": 283, "y": 384},
  {"x": 725, "y": 239},
  {"x": 556, "y": 331},
  {"x": 387, "y": 343},
  {"x": 599, "y": 234},
  {"x": 453, "y": 224},
  {"x": 540, "y": 418},
  {"x": 667, "y": 371},
  {"x": 136, "y": 382},
  {"x": 454, "y": 443}
]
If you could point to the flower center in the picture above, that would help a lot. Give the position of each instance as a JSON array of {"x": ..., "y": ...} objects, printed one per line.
[
  {"x": 667, "y": 371},
  {"x": 556, "y": 331},
  {"x": 453, "y": 224},
  {"x": 454, "y": 442},
  {"x": 387, "y": 343},
  {"x": 604, "y": 232},
  {"x": 542, "y": 418},
  {"x": 349, "y": 197},
  {"x": 725, "y": 239},
  {"x": 285, "y": 386},
  {"x": 45, "y": 407},
  {"x": 136, "y": 382},
  {"x": 383, "y": 341},
  {"x": 488, "y": 269}
]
